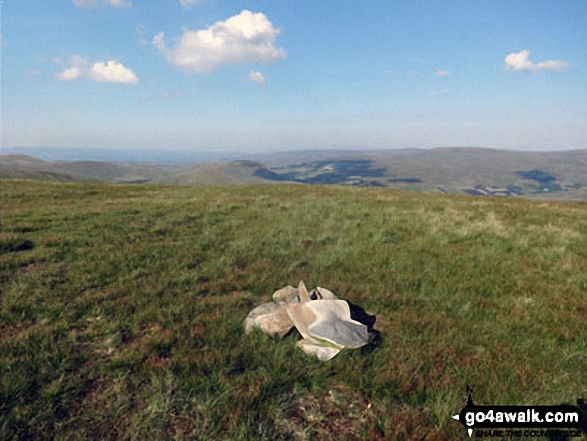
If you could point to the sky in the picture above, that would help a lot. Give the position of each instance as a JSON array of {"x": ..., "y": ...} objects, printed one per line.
[{"x": 270, "y": 75}]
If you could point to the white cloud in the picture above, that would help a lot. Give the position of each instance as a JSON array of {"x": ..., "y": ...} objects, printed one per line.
[
  {"x": 442, "y": 73},
  {"x": 77, "y": 66},
  {"x": 520, "y": 61},
  {"x": 242, "y": 39},
  {"x": 73, "y": 73},
  {"x": 112, "y": 72},
  {"x": 159, "y": 41},
  {"x": 104, "y": 72},
  {"x": 255, "y": 77},
  {"x": 88, "y": 4}
]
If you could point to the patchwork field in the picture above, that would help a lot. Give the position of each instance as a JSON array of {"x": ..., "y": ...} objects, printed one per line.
[{"x": 121, "y": 309}]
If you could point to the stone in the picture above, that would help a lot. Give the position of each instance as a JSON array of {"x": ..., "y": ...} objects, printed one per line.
[
  {"x": 325, "y": 294},
  {"x": 334, "y": 324},
  {"x": 326, "y": 327},
  {"x": 271, "y": 318},
  {"x": 324, "y": 353},
  {"x": 302, "y": 317},
  {"x": 303, "y": 292},
  {"x": 326, "y": 323},
  {"x": 289, "y": 294}
]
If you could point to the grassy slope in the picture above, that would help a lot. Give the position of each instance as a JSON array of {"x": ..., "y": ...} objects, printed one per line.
[
  {"x": 122, "y": 306},
  {"x": 36, "y": 175},
  {"x": 579, "y": 195},
  {"x": 216, "y": 173},
  {"x": 107, "y": 171},
  {"x": 26, "y": 167}
]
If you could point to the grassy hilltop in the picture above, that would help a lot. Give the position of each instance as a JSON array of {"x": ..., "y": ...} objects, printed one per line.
[{"x": 121, "y": 310}]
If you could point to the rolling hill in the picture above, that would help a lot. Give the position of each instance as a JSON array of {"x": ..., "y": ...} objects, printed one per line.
[
  {"x": 453, "y": 170},
  {"x": 472, "y": 171},
  {"x": 457, "y": 168},
  {"x": 12, "y": 166},
  {"x": 218, "y": 173}
]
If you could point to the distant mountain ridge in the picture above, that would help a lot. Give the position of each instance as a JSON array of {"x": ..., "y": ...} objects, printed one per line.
[{"x": 475, "y": 171}]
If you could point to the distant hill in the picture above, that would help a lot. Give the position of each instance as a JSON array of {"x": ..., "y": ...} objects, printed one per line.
[
  {"x": 20, "y": 161},
  {"x": 456, "y": 169},
  {"x": 475, "y": 171},
  {"x": 35, "y": 175},
  {"x": 452, "y": 170},
  {"x": 27, "y": 167},
  {"x": 293, "y": 157},
  {"x": 219, "y": 173}
]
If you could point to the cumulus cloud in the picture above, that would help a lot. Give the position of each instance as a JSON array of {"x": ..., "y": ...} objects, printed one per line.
[
  {"x": 442, "y": 73},
  {"x": 112, "y": 72},
  {"x": 73, "y": 73},
  {"x": 104, "y": 72},
  {"x": 255, "y": 77},
  {"x": 88, "y": 4},
  {"x": 520, "y": 61},
  {"x": 242, "y": 39}
]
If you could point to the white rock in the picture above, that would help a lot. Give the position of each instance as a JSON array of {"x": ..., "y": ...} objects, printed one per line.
[
  {"x": 326, "y": 294},
  {"x": 311, "y": 347},
  {"x": 326, "y": 324},
  {"x": 335, "y": 325},
  {"x": 271, "y": 318},
  {"x": 289, "y": 294},
  {"x": 303, "y": 293}
]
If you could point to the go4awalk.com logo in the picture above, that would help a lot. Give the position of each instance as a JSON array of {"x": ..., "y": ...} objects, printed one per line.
[{"x": 562, "y": 420}]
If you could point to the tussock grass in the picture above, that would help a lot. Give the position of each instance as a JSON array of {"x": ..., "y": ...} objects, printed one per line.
[{"x": 121, "y": 310}]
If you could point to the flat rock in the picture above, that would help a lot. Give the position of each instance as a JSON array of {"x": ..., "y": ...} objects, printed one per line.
[
  {"x": 327, "y": 323},
  {"x": 289, "y": 294},
  {"x": 334, "y": 324},
  {"x": 271, "y": 318},
  {"x": 312, "y": 347},
  {"x": 303, "y": 292},
  {"x": 325, "y": 294}
]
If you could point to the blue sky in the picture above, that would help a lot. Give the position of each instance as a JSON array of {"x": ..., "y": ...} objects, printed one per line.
[{"x": 268, "y": 75}]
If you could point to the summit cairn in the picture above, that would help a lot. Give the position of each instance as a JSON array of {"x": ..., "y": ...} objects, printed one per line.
[{"x": 326, "y": 323}]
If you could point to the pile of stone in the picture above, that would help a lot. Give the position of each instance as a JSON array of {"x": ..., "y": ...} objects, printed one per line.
[{"x": 326, "y": 323}]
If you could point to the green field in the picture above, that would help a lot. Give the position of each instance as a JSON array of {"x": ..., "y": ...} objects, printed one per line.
[{"x": 121, "y": 310}]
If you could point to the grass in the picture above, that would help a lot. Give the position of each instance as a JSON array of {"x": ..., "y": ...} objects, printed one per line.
[{"x": 121, "y": 310}]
